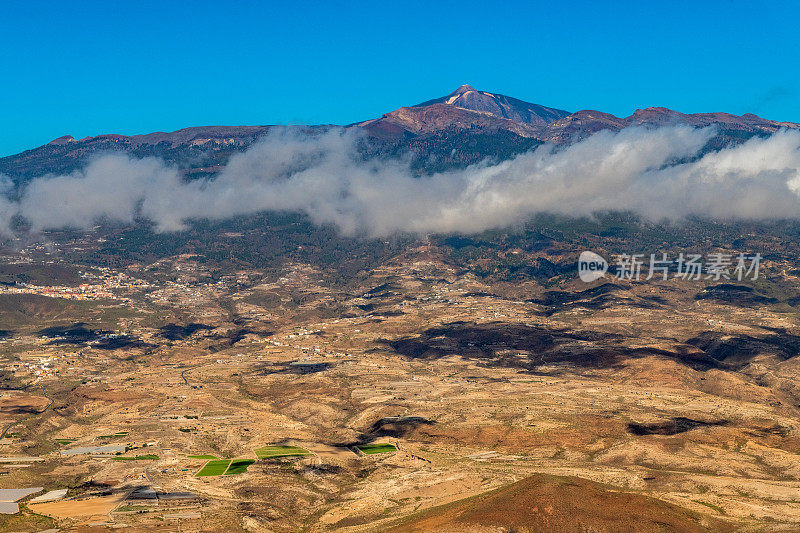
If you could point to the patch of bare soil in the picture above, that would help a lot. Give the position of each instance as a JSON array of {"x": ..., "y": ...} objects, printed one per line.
[{"x": 560, "y": 504}]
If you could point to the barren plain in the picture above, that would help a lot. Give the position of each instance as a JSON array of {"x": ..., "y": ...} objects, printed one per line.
[{"x": 496, "y": 404}]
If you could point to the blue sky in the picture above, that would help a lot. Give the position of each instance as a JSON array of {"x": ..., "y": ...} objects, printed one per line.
[{"x": 92, "y": 67}]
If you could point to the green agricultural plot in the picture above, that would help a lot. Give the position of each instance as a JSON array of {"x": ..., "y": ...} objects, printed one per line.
[
  {"x": 114, "y": 435},
  {"x": 270, "y": 452},
  {"x": 206, "y": 456},
  {"x": 65, "y": 441},
  {"x": 148, "y": 457},
  {"x": 239, "y": 466},
  {"x": 377, "y": 448},
  {"x": 214, "y": 468}
]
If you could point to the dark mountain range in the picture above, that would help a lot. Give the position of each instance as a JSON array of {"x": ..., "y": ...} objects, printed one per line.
[
  {"x": 196, "y": 150},
  {"x": 584, "y": 123},
  {"x": 469, "y": 109},
  {"x": 459, "y": 129}
]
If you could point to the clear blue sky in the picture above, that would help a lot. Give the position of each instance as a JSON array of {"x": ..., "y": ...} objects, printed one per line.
[{"x": 92, "y": 67}]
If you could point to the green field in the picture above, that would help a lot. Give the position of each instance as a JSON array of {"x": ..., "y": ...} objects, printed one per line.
[
  {"x": 148, "y": 457},
  {"x": 376, "y": 448},
  {"x": 65, "y": 441},
  {"x": 216, "y": 467},
  {"x": 202, "y": 456},
  {"x": 114, "y": 436},
  {"x": 270, "y": 452},
  {"x": 238, "y": 466}
]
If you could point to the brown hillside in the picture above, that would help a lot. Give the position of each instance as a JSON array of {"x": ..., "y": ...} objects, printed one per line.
[{"x": 559, "y": 504}]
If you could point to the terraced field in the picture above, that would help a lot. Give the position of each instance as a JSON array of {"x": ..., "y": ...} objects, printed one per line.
[
  {"x": 239, "y": 466},
  {"x": 214, "y": 468},
  {"x": 370, "y": 449},
  {"x": 271, "y": 452}
]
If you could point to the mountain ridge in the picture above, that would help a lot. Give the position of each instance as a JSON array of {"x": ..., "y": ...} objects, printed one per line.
[
  {"x": 498, "y": 125},
  {"x": 464, "y": 98}
]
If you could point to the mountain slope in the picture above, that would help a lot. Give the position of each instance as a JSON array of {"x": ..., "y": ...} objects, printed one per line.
[
  {"x": 444, "y": 117},
  {"x": 466, "y": 97},
  {"x": 464, "y": 109},
  {"x": 560, "y": 504},
  {"x": 581, "y": 124},
  {"x": 188, "y": 148}
]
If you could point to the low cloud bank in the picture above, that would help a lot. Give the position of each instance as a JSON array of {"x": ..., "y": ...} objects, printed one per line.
[{"x": 636, "y": 169}]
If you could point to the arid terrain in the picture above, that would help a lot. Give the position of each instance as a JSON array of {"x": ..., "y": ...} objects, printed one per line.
[
  {"x": 498, "y": 398},
  {"x": 382, "y": 327},
  {"x": 399, "y": 267}
]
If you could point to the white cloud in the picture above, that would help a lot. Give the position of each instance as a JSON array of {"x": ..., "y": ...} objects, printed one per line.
[{"x": 635, "y": 169}]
